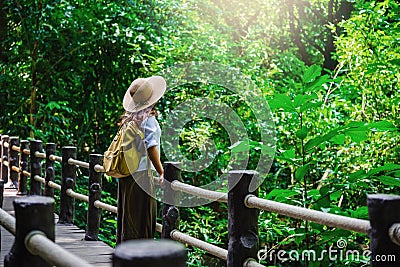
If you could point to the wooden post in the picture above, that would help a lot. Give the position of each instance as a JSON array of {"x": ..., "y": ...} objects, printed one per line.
[
  {"x": 1, "y": 156},
  {"x": 1, "y": 197},
  {"x": 383, "y": 211},
  {"x": 67, "y": 203},
  {"x": 35, "y": 167},
  {"x": 170, "y": 213},
  {"x": 4, "y": 157},
  {"x": 23, "y": 165},
  {"x": 13, "y": 160},
  {"x": 242, "y": 221},
  {"x": 146, "y": 253},
  {"x": 31, "y": 213},
  {"x": 49, "y": 175},
  {"x": 95, "y": 186}
]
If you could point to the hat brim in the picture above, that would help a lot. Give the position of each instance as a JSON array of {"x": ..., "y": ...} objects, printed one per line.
[{"x": 159, "y": 87}]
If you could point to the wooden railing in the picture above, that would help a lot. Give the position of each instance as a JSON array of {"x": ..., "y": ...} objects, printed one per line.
[{"x": 243, "y": 205}]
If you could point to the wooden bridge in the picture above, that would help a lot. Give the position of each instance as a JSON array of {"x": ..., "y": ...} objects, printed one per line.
[
  {"x": 383, "y": 225},
  {"x": 69, "y": 237}
]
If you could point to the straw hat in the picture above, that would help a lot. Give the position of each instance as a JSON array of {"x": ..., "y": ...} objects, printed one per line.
[{"x": 144, "y": 92}]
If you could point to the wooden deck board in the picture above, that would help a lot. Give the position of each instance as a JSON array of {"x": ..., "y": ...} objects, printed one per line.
[{"x": 69, "y": 237}]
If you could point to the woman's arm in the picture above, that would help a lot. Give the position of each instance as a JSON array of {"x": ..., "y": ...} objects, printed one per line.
[{"x": 152, "y": 152}]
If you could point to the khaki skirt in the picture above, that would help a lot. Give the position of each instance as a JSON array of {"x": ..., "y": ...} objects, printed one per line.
[{"x": 137, "y": 207}]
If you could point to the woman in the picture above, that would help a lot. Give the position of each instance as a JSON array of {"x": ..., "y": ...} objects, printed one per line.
[{"x": 136, "y": 195}]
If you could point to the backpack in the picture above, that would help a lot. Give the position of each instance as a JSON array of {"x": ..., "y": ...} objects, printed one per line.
[{"x": 125, "y": 151}]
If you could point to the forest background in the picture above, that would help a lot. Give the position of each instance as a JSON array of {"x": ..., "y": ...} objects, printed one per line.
[{"x": 329, "y": 70}]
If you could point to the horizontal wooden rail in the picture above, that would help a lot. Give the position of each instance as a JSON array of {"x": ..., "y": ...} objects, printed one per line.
[
  {"x": 7, "y": 221},
  {"x": 394, "y": 233},
  {"x": 16, "y": 148},
  {"x": 50, "y": 183},
  {"x": 6, "y": 145},
  {"x": 5, "y": 163},
  {"x": 159, "y": 227},
  {"x": 199, "y": 192},
  {"x": 210, "y": 248},
  {"x": 104, "y": 206},
  {"x": 99, "y": 168},
  {"x": 337, "y": 221},
  {"x": 16, "y": 169},
  {"x": 252, "y": 263},
  {"x": 55, "y": 158},
  {"x": 78, "y": 163},
  {"x": 38, "y": 244},
  {"x": 40, "y": 155},
  {"x": 26, "y": 151},
  {"x": 73, "y": 194}
]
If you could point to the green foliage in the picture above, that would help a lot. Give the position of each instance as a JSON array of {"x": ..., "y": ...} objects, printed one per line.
[{"x": 64, "y": 67}]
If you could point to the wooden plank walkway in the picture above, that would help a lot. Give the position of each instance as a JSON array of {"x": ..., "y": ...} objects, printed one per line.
[{"x": 69, "y": 237}]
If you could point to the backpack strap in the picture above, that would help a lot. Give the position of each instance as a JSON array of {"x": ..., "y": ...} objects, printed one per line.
[{"x": 149, "y": 172}]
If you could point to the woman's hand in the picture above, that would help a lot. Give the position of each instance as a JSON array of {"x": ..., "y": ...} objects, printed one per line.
[{"x": 161, "y": 180}]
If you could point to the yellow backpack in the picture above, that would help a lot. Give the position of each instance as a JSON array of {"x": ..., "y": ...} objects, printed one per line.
[{"x": 123, "y": 155}]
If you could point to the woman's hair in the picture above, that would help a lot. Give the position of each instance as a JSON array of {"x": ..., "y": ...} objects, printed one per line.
[{"x": 138, "y": 117}]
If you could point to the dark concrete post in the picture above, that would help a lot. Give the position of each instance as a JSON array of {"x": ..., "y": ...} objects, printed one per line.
[
  {"x": 67, "y": 203},
  {"x": 49, "y": 175},
  {"x": 23, "y": 165},
  {"x": 36, "y": 167},
  {"x": 95, "y": 185},
  {"x": 4, "y": 157},
  {"x": 146, "y": 253},
  {"x": 383, "y": 211},
  {"x": 242, "y": 221},
  {"x": 31, "y": 213},
  {"x": 13, "y": 160},
  {"x": 170, "y": 213}
]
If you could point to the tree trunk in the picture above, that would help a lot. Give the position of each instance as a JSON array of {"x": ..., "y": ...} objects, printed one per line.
[
  {"x": 295, "y": 34},
  {"x": 343, "y": 12},
  {"x": 34, "y": 54}
]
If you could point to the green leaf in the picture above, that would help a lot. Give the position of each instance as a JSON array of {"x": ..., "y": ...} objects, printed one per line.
[
  {"x": 310, "y": 105},
  {"x": 338, "y": 139},
  {"x": 386, "y": 167},
  {"x": 311, "y": 73},
  {"x": 268, "y": 150},
  {"x": 336, "y": 195},
  {"x": 53, "y": 105},
  {"x": 281, "y": 193},
  {"x": 302, "y": 171},
  {"x": 395, "y": 61},
  {"x": 282, "y": 101},
  {"x": 360, "y": 174},
  {"x": 382, "y": 126},
  {"x": 240, "y": 146},
  {"x": 318, "y": 82},
  {"x": 357, "y": 136},
  {"x": 388, "y": 180},
  {"x": 320, "y": 139},
  {"x": 324, "y": 190},
  {"x": 324, "y": 201},
  {"x": 302, "y": 133},
  {"x": 289, "y": 154},
  {"x": 300, "y": 100},
  {"x": 360, "y": 213}
]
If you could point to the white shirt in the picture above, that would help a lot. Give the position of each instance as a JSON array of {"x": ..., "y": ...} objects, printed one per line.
[{"x": 152, "y": 134}]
